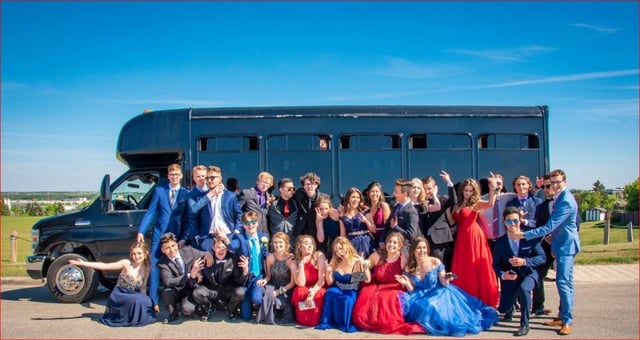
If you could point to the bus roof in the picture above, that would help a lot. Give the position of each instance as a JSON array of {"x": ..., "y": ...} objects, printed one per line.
[{"x": 367, "y": 111}]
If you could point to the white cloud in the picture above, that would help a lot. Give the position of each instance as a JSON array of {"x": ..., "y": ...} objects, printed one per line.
[
  {"x": 402, "y": 68},
  {"x": 518, "y": 54},
  {"x": 597, "y": 28},
  {"x": 563, "y": 78}
]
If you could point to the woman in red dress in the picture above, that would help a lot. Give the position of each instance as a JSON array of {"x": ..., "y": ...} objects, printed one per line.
[
  {"x": 378, "y": 308},
  {"x": 472, "y": 259},
  {"x": 308, "y": 295}
]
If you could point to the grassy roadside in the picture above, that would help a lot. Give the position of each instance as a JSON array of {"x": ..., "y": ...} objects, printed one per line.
[{"x": 591, "y": 237}]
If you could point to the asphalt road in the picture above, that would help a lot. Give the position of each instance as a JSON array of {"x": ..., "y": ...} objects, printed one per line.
[{"x": 602, "y": 310}]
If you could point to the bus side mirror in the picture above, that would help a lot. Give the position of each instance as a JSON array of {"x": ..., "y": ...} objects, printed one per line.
[{"x": 105, "y": 194}]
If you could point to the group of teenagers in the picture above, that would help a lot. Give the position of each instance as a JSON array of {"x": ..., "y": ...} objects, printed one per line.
[{"x": 430, "y": 264}]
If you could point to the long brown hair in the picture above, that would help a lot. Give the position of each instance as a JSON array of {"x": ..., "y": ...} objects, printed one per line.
[
  {"x": 475, "y": 196},
  {"x": 413, "y": 263},
  {"x": 145, "y": 250},
  {"x": 383, "y": 252}
]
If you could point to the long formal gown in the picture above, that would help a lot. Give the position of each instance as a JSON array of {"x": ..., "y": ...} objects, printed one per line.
[
  {"x": 126, "y": 305},
  {"x": 338, "y": 304},
  {"x": 308, "y": 317},
  {"x": 359, "y": 235},
  {"x": 280, "y": 277},
  {"x": 472, "y": 259},
  {"x": 445, "y": 310},
  {"x": 378, "y": 308}
]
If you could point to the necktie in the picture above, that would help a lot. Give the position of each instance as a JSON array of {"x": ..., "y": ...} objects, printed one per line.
[
  {"x": 396, "y": 210},
  {"x": 286, "y": 209},
  {"x": 172, "y": 195},
  {"x": 514, "y": 247},
  {"x": 496, "y": 218},
  {"x": 179, "y": 265},
  {"x": 255, "y": 256}
]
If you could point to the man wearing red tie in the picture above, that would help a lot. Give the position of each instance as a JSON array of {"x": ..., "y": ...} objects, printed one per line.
[{"x": 283, "y": 213}]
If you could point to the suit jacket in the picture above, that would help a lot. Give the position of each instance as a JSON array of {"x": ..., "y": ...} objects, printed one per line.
[
  {"x": 243, "y": 248},
  {"x": 231, "y": 213},
  {"x": 530, "y": 205},
  {"x": 277, "y": 222},
  {"x": 248, "y": 200},
  {"x": 435, "y": 224},
  {"x": 408, "y": 222},
  {"x": 225, "y": 273},
  {"x": 168, "y": 219},
  {"x": 169, "y": 273},
  {"x": 562, "y": 225},
  {"x": 306, "y": 224},
  {"x": 530, "y": 250},
  {"x": 195, "y": 202}
]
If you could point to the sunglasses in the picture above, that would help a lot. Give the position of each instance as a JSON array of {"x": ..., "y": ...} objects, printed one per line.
[
  {"x": 290, "y": 189},
  {"x": 514, "y": 221},
  {"x": 248, "y": 223},
  {"x": 556, "y": 182},
  {"x": 211, "y": 178},
  {"x": 546, "y": 186}
]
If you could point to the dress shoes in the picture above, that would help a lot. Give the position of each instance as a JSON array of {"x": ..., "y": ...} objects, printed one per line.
[
  {"x": 541, "y": 312},
  {"x": 507, "y": 317},
  {"x": 172, "y": 317},
  {"x": 554, "y": 322},
  {"x": 522, "y": 331},
  {"x": 565, "y": 330}
]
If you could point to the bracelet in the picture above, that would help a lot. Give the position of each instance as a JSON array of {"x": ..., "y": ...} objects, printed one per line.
[{"x": 281, "y": 290}]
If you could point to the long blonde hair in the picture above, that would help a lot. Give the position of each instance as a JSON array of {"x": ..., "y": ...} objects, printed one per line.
[{"x": 350, "y": 253}]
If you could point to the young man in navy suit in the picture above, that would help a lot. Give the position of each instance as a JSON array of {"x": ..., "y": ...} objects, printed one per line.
[
  {"x": 404, "y": 216},
  {"x": 565, "y": 245},
  {"x": 252, "y": 244},
  {"x": 169, "y": 205},
  {"x": 218, "y": 212},
  {"x": 515, "y": 262}
]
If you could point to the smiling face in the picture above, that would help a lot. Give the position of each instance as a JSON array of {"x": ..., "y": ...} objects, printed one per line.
[
  {"x": 220, "y": 249},
  {"x": 199, "y": 177},
  {"x": 375, "y": 194},
  {"x": 429, "y": 188},
  {"x": 421, "y": 251},
  {"x": 354, "y": 200},
  {"x": 467, "y": 192},
  {"x": 170, "y": 248},
  {"x": 393, "y": 245},
  {"x": 306, "y": 246},
  {"x": 138, "y": 255}
]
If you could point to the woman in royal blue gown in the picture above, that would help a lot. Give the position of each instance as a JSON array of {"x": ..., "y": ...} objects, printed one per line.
[
  {"x": 437, "y": 305},
  {"x": 342, "y": 293},
  {"x": 128, "y": 303}
]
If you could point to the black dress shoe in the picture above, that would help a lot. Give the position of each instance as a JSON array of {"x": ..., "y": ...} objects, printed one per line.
[
  {"x": 173, "y": 316},
  {"x": 522, "y": 331},
  {"x": 508, "y": 317}
]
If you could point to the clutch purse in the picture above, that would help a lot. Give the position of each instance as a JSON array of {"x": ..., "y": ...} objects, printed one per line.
[{"x": 358, "y": 276}]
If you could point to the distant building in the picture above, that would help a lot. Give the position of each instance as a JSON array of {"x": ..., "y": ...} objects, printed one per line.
[
  {"x": 595, "y": 214},
  {"x": 617, "y": 192}
]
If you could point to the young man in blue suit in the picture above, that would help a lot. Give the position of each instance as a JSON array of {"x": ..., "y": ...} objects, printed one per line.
[
  {"x": 199, "y": 175},
  {"x": 252, "y": 245},
  {"x": 168, "y": 209},
  {"x": 515, "y": 262},
  {"x": 565, "y": 245},
  {"x": 218, "y": 212}
]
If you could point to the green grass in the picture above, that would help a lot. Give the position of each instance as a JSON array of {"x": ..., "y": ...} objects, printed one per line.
[
  {"x": 618, "y": 251},
  {"x": 591, "y": 237},
  {"x": 21, "y": 224}
]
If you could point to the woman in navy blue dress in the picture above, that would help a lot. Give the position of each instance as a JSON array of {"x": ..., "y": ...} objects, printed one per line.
[
  {"x": 342, "y": 293},
  {"x": 355, "y": 225},
  {"x": 128, "y": 303},
  {"x": 327, "y": 225}
]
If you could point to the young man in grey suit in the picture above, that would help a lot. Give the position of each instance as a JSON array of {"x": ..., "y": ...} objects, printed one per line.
[
  {"x": 436, "y": 228},
  {"x": 258, "y": 199}
]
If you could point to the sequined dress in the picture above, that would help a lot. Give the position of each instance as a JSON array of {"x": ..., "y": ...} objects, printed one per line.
[{"x": 126, "y": 305}]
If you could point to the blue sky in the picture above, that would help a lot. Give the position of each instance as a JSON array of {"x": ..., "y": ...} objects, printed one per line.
[{"x": 73, "y": 73}]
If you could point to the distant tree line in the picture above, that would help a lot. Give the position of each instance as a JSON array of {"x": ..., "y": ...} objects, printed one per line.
[
  {"x": 34, "y": 208},
  {"x": 48, "y": 195},
  {"x": 597, "y": 197}
]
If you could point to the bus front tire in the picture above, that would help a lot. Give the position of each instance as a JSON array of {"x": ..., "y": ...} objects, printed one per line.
[{"x": 69, "y": 283}]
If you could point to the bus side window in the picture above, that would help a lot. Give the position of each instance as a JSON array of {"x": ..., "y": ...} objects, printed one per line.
[{"x": 323, "y": 143}]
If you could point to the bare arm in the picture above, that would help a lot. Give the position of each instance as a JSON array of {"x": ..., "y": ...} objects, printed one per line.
[{"x": 119, "y": 265}]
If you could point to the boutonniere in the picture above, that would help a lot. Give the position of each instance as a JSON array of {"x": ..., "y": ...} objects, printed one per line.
[{"x": 264, "y": 240}]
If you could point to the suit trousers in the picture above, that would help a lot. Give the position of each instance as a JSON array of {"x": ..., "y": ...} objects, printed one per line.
[
  {"x": 229, "y": 296},
  {"x": 564, "y": 283},
  {"x": 253, "y": 296},
  {"x": 519, "y": 289},
  {"x": 154, "y": 272}
]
